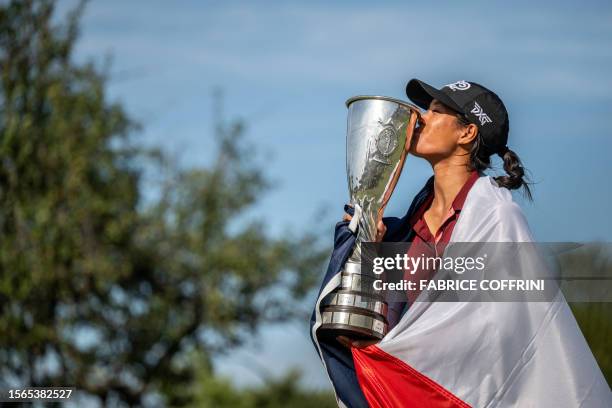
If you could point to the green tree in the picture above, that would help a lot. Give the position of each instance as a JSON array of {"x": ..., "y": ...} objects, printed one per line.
[{"x": 99, "y": 288}]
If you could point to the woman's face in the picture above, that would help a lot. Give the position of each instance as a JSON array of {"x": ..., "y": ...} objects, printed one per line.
[{"x": 438, "y": 134}]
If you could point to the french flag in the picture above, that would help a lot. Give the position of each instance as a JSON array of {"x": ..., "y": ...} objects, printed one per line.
[{"x": 465, "y": 354}]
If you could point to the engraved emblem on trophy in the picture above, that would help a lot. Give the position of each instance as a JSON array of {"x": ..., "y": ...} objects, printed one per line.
[{"x": 379, "y": 130}]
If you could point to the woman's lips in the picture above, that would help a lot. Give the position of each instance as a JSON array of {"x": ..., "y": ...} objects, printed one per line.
[{"x": 418, "y": 130}]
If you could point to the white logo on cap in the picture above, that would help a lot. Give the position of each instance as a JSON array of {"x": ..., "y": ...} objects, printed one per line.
[
  {"x": 459, "y": 85},
  {"x": 483, "y": 117}
]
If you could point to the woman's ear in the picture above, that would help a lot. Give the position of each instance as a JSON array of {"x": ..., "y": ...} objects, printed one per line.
[{"x": 468, "y": 134}]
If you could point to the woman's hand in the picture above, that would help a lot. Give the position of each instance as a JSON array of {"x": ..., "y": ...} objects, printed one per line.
[
  {"x": 345, "y": 341},
  {"x": 381, "y": 228}
]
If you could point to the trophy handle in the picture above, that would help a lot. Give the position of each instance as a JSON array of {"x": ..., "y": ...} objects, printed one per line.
[{"x": 398, "y": 171}]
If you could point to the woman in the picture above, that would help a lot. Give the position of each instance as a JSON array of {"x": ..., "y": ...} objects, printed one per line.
[
  {"x": 460, "y": 354},
  {"x": 464, "y": 125}
]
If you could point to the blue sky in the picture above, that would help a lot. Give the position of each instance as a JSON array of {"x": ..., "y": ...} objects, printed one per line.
[{"x": 287, "y": 68}]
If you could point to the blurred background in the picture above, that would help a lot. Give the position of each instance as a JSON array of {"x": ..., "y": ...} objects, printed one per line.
[{"x": 171, "y": 174}]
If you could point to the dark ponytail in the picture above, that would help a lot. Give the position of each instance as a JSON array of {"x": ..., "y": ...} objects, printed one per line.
[
  {"x": 480, "y": 159},
  {"x": 516, "y": 173}
]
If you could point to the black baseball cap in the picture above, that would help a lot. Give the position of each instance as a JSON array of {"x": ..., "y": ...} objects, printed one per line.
[{"x": 478, "y": 104}]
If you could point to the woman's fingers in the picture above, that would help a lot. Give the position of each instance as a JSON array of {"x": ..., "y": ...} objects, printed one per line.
[
  {"x": 381, "y": 230},
  {"x": 347, "y": 217},
  {"x": 363, "y": 343},
  {"x": 346, "y": 342}
]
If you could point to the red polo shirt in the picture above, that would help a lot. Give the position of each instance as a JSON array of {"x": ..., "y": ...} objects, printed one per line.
[{"x": 432, "y": 245}]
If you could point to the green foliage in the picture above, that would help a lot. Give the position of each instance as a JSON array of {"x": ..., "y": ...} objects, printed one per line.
[
  {"x": 100, "y": 289},
  {"x": 595, "y": 321},
  {"x": 594, "y": 318}
]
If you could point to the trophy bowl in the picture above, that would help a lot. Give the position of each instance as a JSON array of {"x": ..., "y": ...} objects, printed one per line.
[{"x": 379, "y": 132}]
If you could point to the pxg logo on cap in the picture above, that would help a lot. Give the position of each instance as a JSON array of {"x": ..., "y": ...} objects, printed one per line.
[{"x": 480, "y": 114}]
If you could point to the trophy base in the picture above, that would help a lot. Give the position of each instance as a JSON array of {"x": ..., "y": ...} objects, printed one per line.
[
  {"x": 352, "y": 332},
  {"x": 353, "y": 323}
]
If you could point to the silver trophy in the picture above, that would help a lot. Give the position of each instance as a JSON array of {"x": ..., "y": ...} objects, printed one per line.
[{"x": 379, "y": 131}]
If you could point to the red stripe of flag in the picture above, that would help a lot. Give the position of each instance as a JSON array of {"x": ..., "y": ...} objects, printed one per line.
[{"x": 389, "y": 382}]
